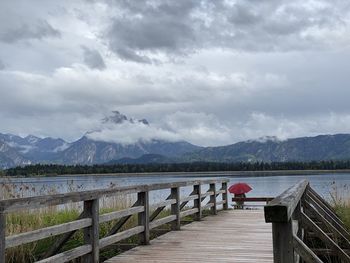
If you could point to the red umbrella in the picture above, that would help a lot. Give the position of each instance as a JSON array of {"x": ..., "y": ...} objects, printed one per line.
[{"x": 239, "y": 188}]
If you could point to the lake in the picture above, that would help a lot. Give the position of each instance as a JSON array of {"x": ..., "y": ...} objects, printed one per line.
[{"x": 15, "y": 187}]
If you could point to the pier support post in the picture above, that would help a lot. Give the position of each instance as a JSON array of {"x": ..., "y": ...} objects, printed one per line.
[
  {"x": 2, "y": 236},
  {"x": 225, "y": 195},
  {"x": 91, "y": 234},
  {"x": 143, "y": 217},
  {"x": 283, "y": 251},
  {"x": 212, "y": 188},
  {"x": 175, "y": 208},
  {"x": 197, "y": 189}
]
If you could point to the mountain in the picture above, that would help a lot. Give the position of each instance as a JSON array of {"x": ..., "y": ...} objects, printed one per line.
[
  {"x": 144, "y": 159},
  {"x": 322, "y": 147},
  {"x": 88, "y": 151},
  {"x": 34, "y": 148},
  {"x": 9, "y": 157}
]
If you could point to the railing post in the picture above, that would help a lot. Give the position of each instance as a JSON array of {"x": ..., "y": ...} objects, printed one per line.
[
  {"x": 91, "y": 234},
  {"x": 225, "y": 195},
  {"x": 143, "y": 217},
  {"x": 175, "y": 208},
  {"x": 197, "y": 189},
  {"x": 282, "y": 234},
  {"x": 212, "y": 188},
  {"x": 2, "y": 236}
]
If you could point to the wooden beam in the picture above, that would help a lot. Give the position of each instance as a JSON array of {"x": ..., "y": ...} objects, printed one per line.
[
  {"x": 55, "y": 247},
  {"x": 175, "y": 208},
  {"x": 308, "y": 223},
  {"x": 329, "y": 226},
  {"x": 91, "y": 233},
  {"x": 224, "y": 195},
  {"x": 2, "y": 236},
  {"x": 281, "y": 208},
  {"x": 212, "y": 188},
  {"x": 143, "y": 217},
  {"x": 197, "y": 189},
  {"x": 304, "y": 251}
]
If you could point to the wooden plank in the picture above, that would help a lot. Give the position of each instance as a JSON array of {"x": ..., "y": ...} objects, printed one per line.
[
  {"x": 224, "y": 195},
  {"x": 109, "y": 240},
  {"x": 68, "y": 255},
  {"x": 55, "y": 247},
  {"x": 329, "y": 225},
  {"x": 197, "y": 189},
  {"x": 282, "y": 207},
  {"x": 208, "y": 193},
  {"x": 189, "y": 198},
  {"x": 2, "y": 236},
  {"x": 188, "y": 212},
  {"x": 252, "y": 199},
  {"x": 175, "y": 208},
  {"x": 163, "y": 204},
  {"x": 212, "y": 188},
  {"x": 330, "y": 218},
  {"x": 239, "y": 236},
  {"x": 304, "y": 251},
  {"x": 91, "y": 233},
  {"x": 10, "y": 205},
  {"x": 283, "y": 251},
  {"x": 308, "y": 223},
  {"x": 162, "y": 221},
  {"x": 158, "y": 210},
  {"x": 42, "y": 233},
  {"x": 121, "y": 213},
  {"x": 143, "y": 217}
]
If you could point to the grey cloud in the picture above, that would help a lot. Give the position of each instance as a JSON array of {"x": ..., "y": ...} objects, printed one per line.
[
  {"x": 41, "y": 29},
  {"x": 93, "y": 58},
  {"x": 144, "y": 30},
  {"x": 2, "y": 65}
]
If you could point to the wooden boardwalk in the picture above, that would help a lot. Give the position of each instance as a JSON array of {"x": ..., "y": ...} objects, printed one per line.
[{"x": 231, "y": 236}]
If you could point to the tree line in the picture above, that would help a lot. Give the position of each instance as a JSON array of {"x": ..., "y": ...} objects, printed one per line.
[{"x": 56, "y": 169}]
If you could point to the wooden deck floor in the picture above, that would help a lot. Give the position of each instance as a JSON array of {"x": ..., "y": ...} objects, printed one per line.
[{"x": 231, "y": 236}]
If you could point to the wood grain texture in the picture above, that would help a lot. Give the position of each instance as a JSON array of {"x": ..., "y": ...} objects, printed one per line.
[{"x": 232, "y": 236}]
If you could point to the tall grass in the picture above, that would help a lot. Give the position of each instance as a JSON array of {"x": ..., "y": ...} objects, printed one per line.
[
  {"x": 341, "y": 202},
  {"x": 25, "y": 221}
]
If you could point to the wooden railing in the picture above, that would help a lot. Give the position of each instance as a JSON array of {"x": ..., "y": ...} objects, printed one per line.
[
  {"x": 250, "y": 202},
  {"x": 306, "y": 228},
  {"x": 90, "y": 219}
]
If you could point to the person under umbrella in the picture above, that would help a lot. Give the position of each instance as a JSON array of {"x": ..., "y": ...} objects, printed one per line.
[{"x": 239, "y": 190}]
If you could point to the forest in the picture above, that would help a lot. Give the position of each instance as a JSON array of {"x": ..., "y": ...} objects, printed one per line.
[{"x": 55, "y": 169}]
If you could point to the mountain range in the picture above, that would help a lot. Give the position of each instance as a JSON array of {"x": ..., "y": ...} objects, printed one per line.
[{"x": 19, "y": 151}]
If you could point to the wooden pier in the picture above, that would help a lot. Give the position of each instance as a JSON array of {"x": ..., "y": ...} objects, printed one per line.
[
  {"x": 238, "y": 236},
  {"x": 297, "y": 226}
]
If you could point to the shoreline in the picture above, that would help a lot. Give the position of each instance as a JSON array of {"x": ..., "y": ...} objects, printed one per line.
[{"x": 201, "y": 174}]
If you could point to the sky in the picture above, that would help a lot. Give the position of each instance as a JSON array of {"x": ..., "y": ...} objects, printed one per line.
[{"x": 208, "y": 72}]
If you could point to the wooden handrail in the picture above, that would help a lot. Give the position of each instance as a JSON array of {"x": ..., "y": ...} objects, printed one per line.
[
  {"x": 252, "y": 199},
  {"x": 90, "y": 218},
  {"x": 281, "y": 208},
  {"x": 293, "y": 215}
]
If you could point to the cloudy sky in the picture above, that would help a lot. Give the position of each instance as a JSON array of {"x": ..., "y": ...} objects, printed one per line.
[{"x": 210, "y": 72}]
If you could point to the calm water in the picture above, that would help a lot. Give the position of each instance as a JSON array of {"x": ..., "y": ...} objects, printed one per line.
[{"x": 325, "y": 184}]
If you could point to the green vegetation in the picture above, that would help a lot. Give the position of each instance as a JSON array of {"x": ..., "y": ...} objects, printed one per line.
[{"x": 55, "y": 169}]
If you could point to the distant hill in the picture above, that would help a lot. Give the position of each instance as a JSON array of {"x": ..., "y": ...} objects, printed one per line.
[{"x": 304, "y": 149}]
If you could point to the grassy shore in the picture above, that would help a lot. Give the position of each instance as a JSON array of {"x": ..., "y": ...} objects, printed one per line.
[{"x": 343, "y": 210}]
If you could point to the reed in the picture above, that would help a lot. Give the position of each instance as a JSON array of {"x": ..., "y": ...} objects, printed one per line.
[{"x": 341, "y": 201}]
